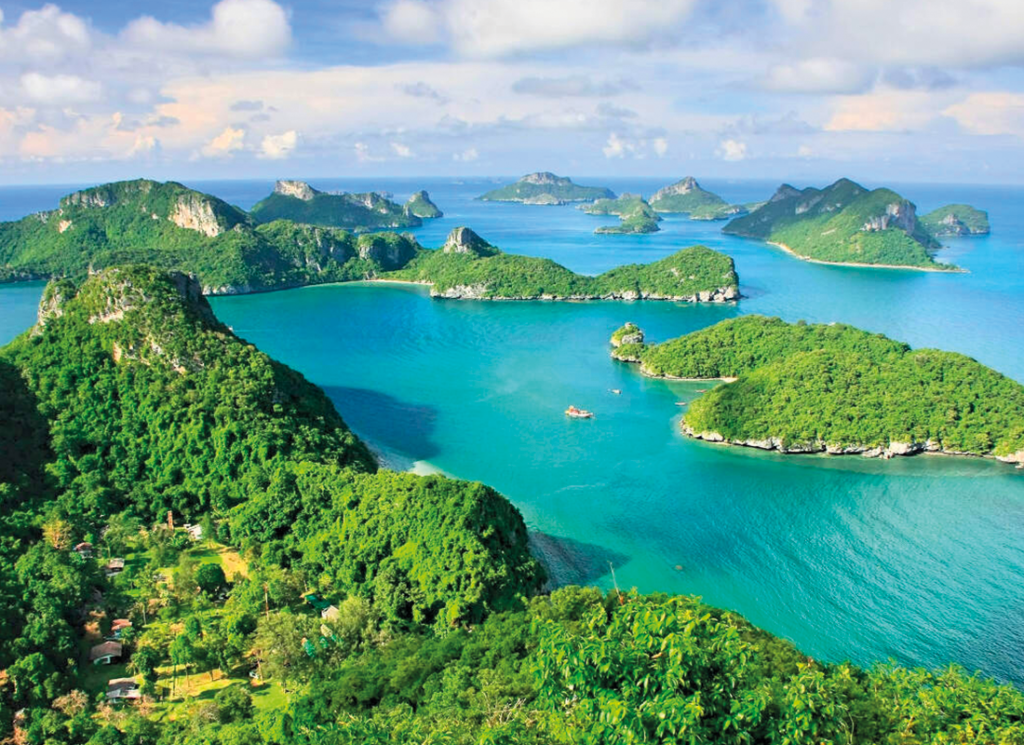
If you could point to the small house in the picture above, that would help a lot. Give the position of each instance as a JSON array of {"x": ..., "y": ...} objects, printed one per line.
[
  {"x": 120, "y": 689},
  {"x": 113, "y": 567},
  {"x": 195, "y": 532},
  {"x": 330, "y": 613},
  {"x": 84, "y": 549},
  {"x": 107, "y": 653}
]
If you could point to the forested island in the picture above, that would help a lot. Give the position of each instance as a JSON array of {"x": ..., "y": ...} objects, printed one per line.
[
  {"x": 546, "y": 188},
  {"x": 686, "y": 196},
  {"x": 299, "y": 202},
  {"x": 468, "y": 267},
  {"x": 955, "y": 220},
  {"x": 843, "y": 224},
  {"x": 259, "y": 579},
  {"x": 172, "y": 226},
  {"x": 634, "y": 213},
  {"x": 803, "y": 388}
]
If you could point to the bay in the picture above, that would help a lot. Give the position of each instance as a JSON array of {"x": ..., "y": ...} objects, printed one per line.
[{"x": 919, "y": 560}]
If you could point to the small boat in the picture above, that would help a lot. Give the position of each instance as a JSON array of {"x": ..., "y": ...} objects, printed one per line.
[
  {"x": 616, "y": 391},
  {"x": 702, "y": 390},
  {"x": 680, "y": 403},
  {"x": 575, "y": 413}
]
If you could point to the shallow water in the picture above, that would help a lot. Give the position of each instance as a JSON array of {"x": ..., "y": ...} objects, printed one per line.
[{"x": 918, "y": 559}]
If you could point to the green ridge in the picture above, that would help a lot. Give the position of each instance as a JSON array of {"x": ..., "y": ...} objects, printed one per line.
[
  {"x": 956, "y": 220},
  {"x": 546, "y": 189}
]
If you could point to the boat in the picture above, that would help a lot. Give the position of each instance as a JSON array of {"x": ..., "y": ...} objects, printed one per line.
[
  {"x": 616, "y": 391},
  {"x": 680, "y": 403},
  {"x": 575, "y": 413},
  {"x": 702, "y": 390}
]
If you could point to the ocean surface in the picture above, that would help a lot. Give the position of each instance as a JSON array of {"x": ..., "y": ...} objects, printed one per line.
[{"x": 920, "y": 560}]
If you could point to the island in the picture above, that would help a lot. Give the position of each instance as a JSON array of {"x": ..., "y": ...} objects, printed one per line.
[
  {"x": 301, "y": 203},
  {"x": 955, "y": 220},
  {"x": 172, "y": 226},
  {"x": 833, "y": 388},
  {"x": 420, "y": 205},
  {"x": 844, "y": 223},
  {"x": 687, "y": 197},
  {"x": 546, "y": 188},
  {"x": 468, "y": 267},
  {"x": 634, "y": 213}
]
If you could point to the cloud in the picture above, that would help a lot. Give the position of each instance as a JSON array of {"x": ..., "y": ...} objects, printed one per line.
[
  {"x": 883, "y": 111},
  {"x": 237, "y": 28},
  {"x": 732, "y": 150},
  {"x": 59, "y": 90},
  {"x": 247, "y": 106},
  {"x": 573, "y": 85},
  {"x": 276, "y": 147},
  {"x": 45, "y": 36},
  {"x": 497, "y": 28},
  {"x": 363, "y": 154},
  {"x": 619, "y": 146},
  {"x": 818, "y": 75},
  {"x": 402, "y": 151},
  {"x": 422, "y": 90},
  {"x": 660, "y": 147},
  {"x": 990, "y": 113},
  {"x": 467, "y": 155},
  {"x": 224, "y": 144}
]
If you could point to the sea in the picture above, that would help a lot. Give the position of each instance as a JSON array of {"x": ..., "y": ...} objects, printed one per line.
[{"x": 916, "y": 560}]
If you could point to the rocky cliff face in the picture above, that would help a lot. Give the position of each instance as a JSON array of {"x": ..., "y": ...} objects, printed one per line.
[
  {"x": 897, "y": 215},
  {"x": 193, "y": 212},
  {"x": 298, "y": 189},
  {"x": 545, "y": 178},
  {"x": 687, "y": 185},
  {"x": 465, "y": 241},
  {"x": 784, "y": 192}
]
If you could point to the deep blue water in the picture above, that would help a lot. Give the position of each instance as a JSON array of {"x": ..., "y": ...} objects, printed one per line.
[{"x": 917, "y": 559}]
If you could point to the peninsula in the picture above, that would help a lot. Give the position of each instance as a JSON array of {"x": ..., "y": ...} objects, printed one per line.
[
  {"x": 546, "y": 189},
  {"x": 808, "y": 388},
  {"x": 468, "y": 267},
  {"x": 843, "y": 224},
  {"x": 687, "y": 197},
  {"x": 301, "y": 203},
  {"x": 956, "y": 220},
  {"x": 634, "y": 213}
]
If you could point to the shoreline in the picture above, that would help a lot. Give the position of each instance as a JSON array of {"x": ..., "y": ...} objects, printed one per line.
[{"x": 861, "y": 265}]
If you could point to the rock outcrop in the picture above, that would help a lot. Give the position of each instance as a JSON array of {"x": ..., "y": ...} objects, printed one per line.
[
  {"x": 298, "y": 189},
  {"x": 465, "y": 241},
  {"x": 900, "y": 215},
  {"x": 193, "y": 212}
]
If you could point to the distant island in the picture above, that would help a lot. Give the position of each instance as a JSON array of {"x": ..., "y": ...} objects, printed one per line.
[
  {"x": 843, "y": 224},
  {"x": 634, "y": 213},
  {"x": 173, "y": 227},
  {"x": 468, "y": 267},
  {"x": 299, "y": 202},
  {"x": 687, "y": 197},
  {"x": 955, "y": 220},
  {"x": 546, "y": 189},
  {"x": 807, "y": 388}
]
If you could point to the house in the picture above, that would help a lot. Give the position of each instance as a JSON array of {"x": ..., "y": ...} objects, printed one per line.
[
  {"x": 117, "y": 628},
  {"x": 113, "y": 567},
  {"x": 120, "y": 689},
  {"x": 84, "y": 549},
  {"x": 107, "y": 653},
  {"x": 195, "y": 532},
  {"x": 329, "y": 613}
]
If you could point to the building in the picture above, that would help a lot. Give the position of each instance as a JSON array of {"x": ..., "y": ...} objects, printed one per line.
[
  {"x": 329, "y": 613},
  {"x": 113, "y": 567},
  {"x": 84, "y": 549},
  {"x": 120, "y": 689},
  {"x": 107, "y": 653},
  {"x": 195, "y": 532}
]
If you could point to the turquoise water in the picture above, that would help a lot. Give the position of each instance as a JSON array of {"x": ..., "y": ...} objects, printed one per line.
[{"x": 919, "y": 559}]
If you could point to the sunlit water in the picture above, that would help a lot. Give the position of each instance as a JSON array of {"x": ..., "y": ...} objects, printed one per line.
[{"x": 918, "y": 559}]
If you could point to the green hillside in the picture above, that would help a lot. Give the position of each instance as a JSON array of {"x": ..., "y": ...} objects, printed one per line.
[
  {"x": 956, "y": 220},
  {"x": 546, "y": 189},
  {"x": 299, "y": 202},
  {"x": 687, "y": 196}
]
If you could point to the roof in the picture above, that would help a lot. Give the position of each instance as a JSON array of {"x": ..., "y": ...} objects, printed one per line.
[
  {"x": 122, "y": 683},
  {"x": 330, "y": 612},
  {"x": 106, "y": 649},
  {"x": 120, "y": 623},
  {"x": 115, "y": 564},
  {"x": 83, "y": 546}
]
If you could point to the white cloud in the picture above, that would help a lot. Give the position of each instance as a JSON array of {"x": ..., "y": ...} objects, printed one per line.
[
  {"x": 411, "y": 22},
  {"x": 47, "y": 36},
  {"x": 818, "y": 75},
  {"x": 402, "y": 151},
  {"x": 467, "y": 155},
  {"x": 990, "y": 113},
  {"x": 660, "y": 146},
  {"x": 804, "y": 151},
  {"x": 615, "y": 148},
  {"x": 237, "y": 28},
  {"x": 59, "y": 90},
  {"x": 494, "y": 28},
  {"x": 224, "y": 144},
  {"x": 732, "y": 150},
  {"x": 363, "y": 154},
  {"x": 276, "y": 147},
  {"x": 884, "y": 111}
]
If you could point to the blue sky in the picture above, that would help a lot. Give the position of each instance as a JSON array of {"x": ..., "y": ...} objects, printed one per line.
[{"x": 799, "y": 90}]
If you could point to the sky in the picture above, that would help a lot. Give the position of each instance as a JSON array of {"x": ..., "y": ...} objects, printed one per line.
[{"x": 798, "y": 90}]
